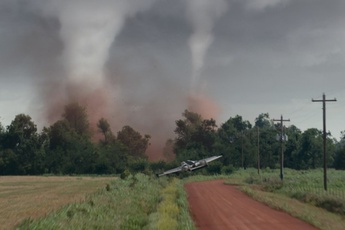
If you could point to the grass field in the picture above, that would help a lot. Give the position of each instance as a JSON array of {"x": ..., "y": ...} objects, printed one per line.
[
  {"x": 301, "y": 194},
  {"x": 137, "y": 202},
  {"x": 146, "y": 202},
  {"x": 23, "y": 197}
]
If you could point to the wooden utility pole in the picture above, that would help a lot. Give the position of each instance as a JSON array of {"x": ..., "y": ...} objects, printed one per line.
[
  {"x": 282, "y": 146},
  {"x": 258, "y": 151},
  {"x": 324, "y": 137},
  {"x": 242, "y": 148}
]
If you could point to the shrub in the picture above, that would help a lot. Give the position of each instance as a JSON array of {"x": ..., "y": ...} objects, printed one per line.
[
  {"x": 158, "y": 166},
  {"x": 125, "y": 174},
  {"x": 272, "y": 184},
  {"x": 328, "y": 203},
  {"x": 228, "y": 169},
  {"x": 332, "y": 205},
  {"x": 137, "y": 222},
  {"x": 138, "y": 165},
  {"x": 253, "y": 179},
  {"x": 214, "y": 168}
]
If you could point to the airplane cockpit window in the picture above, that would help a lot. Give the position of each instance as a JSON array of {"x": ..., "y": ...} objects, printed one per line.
[{"x": 190, "y": 162}]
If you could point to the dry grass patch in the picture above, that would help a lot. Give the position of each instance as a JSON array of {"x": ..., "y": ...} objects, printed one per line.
[{"x": 23, "y": 197}]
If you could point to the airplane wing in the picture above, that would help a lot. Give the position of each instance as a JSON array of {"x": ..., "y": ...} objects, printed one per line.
[
  {"x": 174, "y": 170},
  {"x": 204, "y": 162},
  {"x": 209, "y": 159},
  {"x": 198, "y": 167}
]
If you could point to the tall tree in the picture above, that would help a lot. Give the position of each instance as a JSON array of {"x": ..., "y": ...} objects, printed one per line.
[
  {"x": 22, "y": 140},
  {"x": 77, "y": 118},
  {"x": 269, "y": 147},
  {"x": 236, "y": 145},
  {"x": 21, "y": 128},
  {"x": 2, "y": 129},
  {"x": 263, "y": 121},
  {"x": 135, "y": 142},
  {"x": 195, "y": 136},
  {"x": 111, "y": 158},
  {"x": 293, "y": 136},
  {"x": 309, "y": 150},
  {"x": 339, "y": 159},
  {"x": 185, "y": 128},
  {"x": 104, "y": 128},
  {"x": 2, "y": 133},
  {"x": 68, "y": 151}
]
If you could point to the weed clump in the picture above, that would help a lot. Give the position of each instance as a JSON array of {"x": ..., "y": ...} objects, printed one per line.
[
  {"x": 229, "y": 169},
  {"x": 167, "y": 223},
  {"x": 137, "y": 222},
  {"x": 125, "y": 174},
  {"x": 329, "y": 203},
  {"x": 272, "y": 184},
  {"x": 107, "y": 187}
]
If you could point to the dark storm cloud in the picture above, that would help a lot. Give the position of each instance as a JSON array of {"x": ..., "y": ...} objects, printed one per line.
[
  {"x": 29, "y": 42},
  {"x": 277, "y": 46},
  {"x": 265, "y": 55},
  {"x": 30, "y": 48}
]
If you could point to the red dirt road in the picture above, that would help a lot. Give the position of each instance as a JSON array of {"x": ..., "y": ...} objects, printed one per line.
[{"x": 217, "y": 206}]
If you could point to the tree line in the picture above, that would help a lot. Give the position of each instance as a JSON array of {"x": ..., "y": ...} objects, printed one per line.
[
  {"x": 68, "y": 146},
  {"x": 243, "y": 144}
]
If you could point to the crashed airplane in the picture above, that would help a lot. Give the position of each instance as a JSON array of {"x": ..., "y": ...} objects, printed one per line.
[{"x": 191, "y": 165}]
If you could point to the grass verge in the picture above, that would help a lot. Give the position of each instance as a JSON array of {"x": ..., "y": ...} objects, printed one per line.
[
  {"x": 318, "y": 217},
  {"x": 137, "y": 202},
  {"x": 300, "y": 194}
]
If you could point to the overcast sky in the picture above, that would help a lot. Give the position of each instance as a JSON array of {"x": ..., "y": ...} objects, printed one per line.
[{"x": 236, "y": 57}]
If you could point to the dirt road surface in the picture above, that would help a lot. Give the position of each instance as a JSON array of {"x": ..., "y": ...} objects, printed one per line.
[{"x": 217, "y": 206}]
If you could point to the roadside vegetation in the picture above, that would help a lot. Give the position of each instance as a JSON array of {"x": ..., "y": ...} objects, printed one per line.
[
  {"x": 301, "y": 194},
  {"x": 140, "y": 201},
  {"x": 136, "y": 202}
]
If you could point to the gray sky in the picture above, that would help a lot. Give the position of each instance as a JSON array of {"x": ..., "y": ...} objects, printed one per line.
[{"x": 237, "y": 57}]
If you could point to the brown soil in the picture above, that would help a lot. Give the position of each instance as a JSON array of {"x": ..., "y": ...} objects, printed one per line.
[{"x": 214, "y": 205}]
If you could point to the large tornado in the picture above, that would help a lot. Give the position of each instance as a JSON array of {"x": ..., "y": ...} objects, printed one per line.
[
  {"x": 202, "y": 15},
  {"x": 88, "y": 29}
]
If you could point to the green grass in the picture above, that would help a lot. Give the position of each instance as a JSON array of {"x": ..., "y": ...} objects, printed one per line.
[
  {"x": 306, "y": 186},
  {"x": 137, "y": 202},
  {"x": 318, "y": 217},
  {"x": 146, "y": 202},
  {"x": 124, "y": 204},
  {"x": 301, "y": 194}
]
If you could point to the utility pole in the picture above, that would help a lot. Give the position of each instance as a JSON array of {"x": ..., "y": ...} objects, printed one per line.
[
  {"x": 242, "y": 148},
  {"x": 282, "y": 145},
  {"x": 324, "y": 137},
  {"x": 258, "y": 150}
]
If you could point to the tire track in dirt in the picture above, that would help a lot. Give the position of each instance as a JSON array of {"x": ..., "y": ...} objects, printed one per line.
[{"x": 214, "y": 205}]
